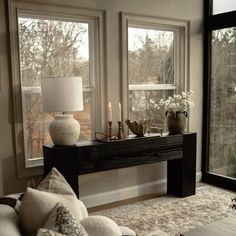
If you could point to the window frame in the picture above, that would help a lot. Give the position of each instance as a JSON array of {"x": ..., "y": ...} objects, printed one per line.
[
  {"x": 29, "y": 167},
  {"x": 211, "y": 23},
  {"x": 181, "y": 53}
]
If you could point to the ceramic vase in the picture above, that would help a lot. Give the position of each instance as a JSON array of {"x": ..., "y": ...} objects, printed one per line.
[
  {"x": 176, "y": 121},
  {"x": 64, "y": 130}
]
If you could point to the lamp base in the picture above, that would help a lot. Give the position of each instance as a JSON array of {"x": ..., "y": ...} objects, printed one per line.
[{"x": 64, "y": 130}]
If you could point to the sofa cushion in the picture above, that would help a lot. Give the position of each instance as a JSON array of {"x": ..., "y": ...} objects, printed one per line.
[
  {"x": 12, "y": 200},
  {"x": 100, "y": 225},
  {"x": 9, "y": 220},
  {"x": 37, "y": 204},
  {"x": 62, "y": 221}
]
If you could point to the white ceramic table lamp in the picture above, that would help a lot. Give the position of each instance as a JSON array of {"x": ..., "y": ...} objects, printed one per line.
[{"x": 63, "y": 95}]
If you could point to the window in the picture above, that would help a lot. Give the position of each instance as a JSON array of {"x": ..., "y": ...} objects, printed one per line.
[
  {"x": 219, "y": 132},
  {"x": 220, "y": 6},
  {"x": 53, "y": 43},
  {"x": 155, "y": 66}
]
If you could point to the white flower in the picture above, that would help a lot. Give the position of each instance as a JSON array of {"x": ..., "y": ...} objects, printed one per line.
[
  {"x": 179, "y": 102},
  {"x": 152, "y": 101}
]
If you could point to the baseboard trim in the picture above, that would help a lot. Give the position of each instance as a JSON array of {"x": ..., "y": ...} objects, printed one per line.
[
  {"x": 198, "y": 177},
  {"x": 158, "y": 187}
]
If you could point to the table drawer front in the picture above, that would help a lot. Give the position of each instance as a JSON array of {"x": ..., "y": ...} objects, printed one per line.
[{"x": 107, "y": 162}]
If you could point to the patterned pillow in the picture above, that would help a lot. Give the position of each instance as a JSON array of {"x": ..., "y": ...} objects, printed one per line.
[
  {"x": 38, "y": 203},
  {"x": 48, "y": 232},
  {"x": 62, "y": 221}
]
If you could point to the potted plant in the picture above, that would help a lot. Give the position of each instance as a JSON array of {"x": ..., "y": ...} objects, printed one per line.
[{"x": 177, "y": 108}]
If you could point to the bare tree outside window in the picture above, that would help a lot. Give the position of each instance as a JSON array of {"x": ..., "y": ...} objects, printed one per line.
[
  {"x": 151, "y": 70},
  {"x": 50, "y": 48},
  {"x": 222, "y": 157}
]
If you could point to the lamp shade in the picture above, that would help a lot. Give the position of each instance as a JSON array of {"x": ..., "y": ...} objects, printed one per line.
[{"x": 62, "y": 94}]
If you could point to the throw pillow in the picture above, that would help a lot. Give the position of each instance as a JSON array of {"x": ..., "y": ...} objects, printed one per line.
[
  {"x": 55, "y": 182},
  {"x": 126, "y": 231},
  {"x": 100, "y": 225},
  {"x": 37, "y": 204},
  {"x": 61, "y": 220},
  {"x": 48, "y": 232}
]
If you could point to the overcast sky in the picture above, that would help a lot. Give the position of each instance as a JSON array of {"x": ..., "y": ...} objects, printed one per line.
[{"x": 220, "y": 6}]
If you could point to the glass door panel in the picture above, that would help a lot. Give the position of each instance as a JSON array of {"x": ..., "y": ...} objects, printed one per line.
[{"x": 222, "y": 145}]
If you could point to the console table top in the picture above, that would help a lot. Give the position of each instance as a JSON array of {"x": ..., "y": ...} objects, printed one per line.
[{"x": 129, "y": 138}]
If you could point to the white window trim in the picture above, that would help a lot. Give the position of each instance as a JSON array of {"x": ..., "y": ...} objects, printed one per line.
[
  {"x": 35, "y": 161},
  {"x": 181, "y": 71},
  {"x": 97, "y": 72},
  {"x": 136, "y": 87}
]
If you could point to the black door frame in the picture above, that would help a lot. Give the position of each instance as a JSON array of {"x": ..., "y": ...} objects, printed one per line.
[{"x": 212, "y": 22}]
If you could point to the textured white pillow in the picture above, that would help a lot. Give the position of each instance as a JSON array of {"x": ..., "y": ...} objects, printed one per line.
[
  {"x": 126, "y": 231},
  {"x": 100, "y": 226},
  {"x": 37, "y": 204}
]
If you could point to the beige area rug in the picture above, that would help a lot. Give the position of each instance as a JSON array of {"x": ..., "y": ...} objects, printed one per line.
[{"x": 169, "y": 215}]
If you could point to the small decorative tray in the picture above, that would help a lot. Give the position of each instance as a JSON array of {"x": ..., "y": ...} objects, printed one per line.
[{"x": 104, "y": 137}]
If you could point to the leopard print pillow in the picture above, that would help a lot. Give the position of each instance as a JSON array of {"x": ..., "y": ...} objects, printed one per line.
[
  {"x": 48, "y": 232},
  {"x": 61, "y": 220}
]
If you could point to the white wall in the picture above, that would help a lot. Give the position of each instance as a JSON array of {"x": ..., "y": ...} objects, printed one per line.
[{"x": 94, "y": 186}]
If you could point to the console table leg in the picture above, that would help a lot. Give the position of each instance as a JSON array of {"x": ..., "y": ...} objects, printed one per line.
[
  {"x": 181, "y": 173},
  {"x": 66, "y": 162}
]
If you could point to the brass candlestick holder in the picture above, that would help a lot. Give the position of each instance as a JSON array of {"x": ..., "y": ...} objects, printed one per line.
[
  {"x": 109, "y": 129},
  {"x": 120, "y": 134}
]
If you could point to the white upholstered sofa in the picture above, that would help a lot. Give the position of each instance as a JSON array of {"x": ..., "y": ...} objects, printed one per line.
[{"x": 52, "y": 209}]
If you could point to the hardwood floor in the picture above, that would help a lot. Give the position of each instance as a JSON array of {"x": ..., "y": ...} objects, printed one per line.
[
  {"x": 222, "y": 227},
  {"x": 123, "y": 202},
  {"x": 128, "y": 201}
]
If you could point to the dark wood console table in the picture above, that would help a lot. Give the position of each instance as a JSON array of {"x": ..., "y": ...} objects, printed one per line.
[{"x": 87, "y": 157}]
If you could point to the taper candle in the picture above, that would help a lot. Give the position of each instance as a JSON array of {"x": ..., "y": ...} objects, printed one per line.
[
  {"x": 109, "y": 112},
  {"x": 119, "y": 112}
]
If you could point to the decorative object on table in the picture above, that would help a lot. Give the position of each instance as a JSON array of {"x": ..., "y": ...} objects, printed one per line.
[
  {"x": 109, "y": 129},
  {"x": 157, "y": 130},
  {"x": 63, "y": 95},
  {"x": 139, "y": 127},
  {"x": 104, "y": 137},
  {"x": 109, "y": 120},
  {"x": 120, "y": 134},
  {"x": 176, "y": 121},
  {"x": 177, "y": 108}
]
